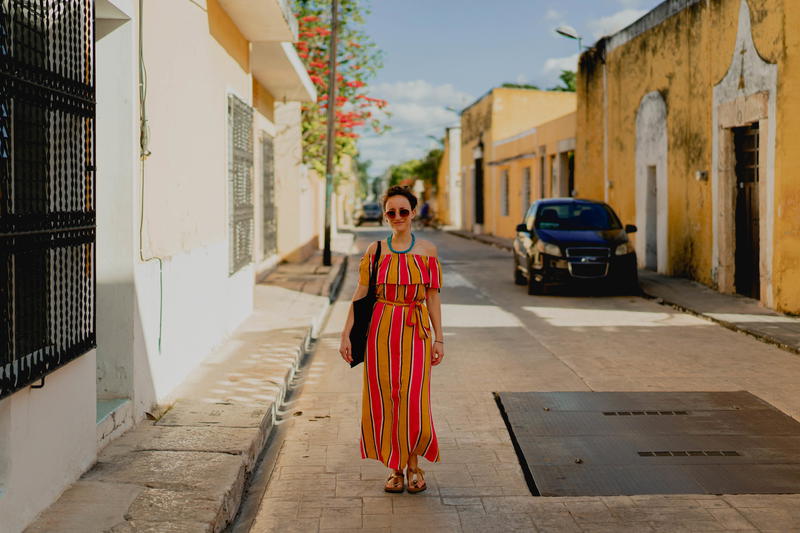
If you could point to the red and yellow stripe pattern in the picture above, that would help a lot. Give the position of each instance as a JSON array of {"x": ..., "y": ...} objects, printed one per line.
[{"x": 396, "y": 411}]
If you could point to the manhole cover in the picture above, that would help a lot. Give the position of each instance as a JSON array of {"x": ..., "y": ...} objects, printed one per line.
[{"x": 626, "y": 443}]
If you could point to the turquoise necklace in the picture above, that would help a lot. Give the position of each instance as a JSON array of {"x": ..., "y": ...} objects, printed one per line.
[{"x": 389, "y": 242}]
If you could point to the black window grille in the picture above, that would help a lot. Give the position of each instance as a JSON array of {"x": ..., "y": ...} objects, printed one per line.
[
  {"x": 270, "y": 222},
  {"x": 47, "y": 201},
  {"x": 240, "y": 175}
]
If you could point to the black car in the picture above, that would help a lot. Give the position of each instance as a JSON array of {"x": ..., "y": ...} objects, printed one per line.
[
  {"x": 566, "y": 240},
  {"x": 369, "y": 212}
]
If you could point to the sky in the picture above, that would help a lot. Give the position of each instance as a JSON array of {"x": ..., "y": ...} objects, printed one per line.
[{"x": 441, "y": 54}]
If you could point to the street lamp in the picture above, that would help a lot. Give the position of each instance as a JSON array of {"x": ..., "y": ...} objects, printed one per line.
[{"x": 570, "y": 33}]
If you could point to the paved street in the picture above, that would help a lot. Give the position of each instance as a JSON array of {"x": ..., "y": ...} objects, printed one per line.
[{"x": 500, "y": 339}]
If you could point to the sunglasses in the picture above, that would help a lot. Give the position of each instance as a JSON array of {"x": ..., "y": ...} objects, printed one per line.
[{"x": 402, "y": 212}]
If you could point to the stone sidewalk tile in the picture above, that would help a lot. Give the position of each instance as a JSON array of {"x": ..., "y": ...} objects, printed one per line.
[
  {"x": 472, "y": 522},
  {"x": 771, "y": 518},
  {"x": 285, "y": 525},
  {"x": 731, "y": 519},
  {"x": 375, "y": 505},
  {"x": 341, "y": 518}
]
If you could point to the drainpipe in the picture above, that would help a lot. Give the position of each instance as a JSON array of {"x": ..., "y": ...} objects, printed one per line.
[{"x": 606, "y": 184}]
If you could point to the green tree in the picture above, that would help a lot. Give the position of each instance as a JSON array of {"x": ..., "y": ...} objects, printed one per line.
[
  {"x": 425, "y": 169},
  {"x": 509, "y": 85},
  {"x": 567, "y": 78},
  {"x": 358, "y": 60},
  {"x": 362, "y": 175},
  {"x": 428, "y": 167},
  {"x": 404, "y": 173}
]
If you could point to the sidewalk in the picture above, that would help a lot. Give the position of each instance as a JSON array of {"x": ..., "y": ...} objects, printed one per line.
[
  {"x": 729, "y": 310},
  {"x": 186, "y": 472}
]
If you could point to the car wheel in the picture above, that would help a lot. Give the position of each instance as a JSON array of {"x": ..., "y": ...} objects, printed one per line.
[
  {"x": 535, "y": 287},
  {"x": 519, "y": 279},
  {"x": 632, "y": 285}
]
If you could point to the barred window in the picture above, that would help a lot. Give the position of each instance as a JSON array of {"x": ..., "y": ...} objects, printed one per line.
[
  {"x": 270, "y": 216},
  {"x": 240, "y": 176},
  {"x": 47, "y": 201},
  {"x": 526, "y": 190}
]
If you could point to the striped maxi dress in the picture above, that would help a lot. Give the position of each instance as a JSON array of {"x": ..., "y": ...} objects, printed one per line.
[{"x": 396, "y": 409}]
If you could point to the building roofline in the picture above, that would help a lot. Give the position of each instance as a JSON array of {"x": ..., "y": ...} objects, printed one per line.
[
  {"x": 648, "y": 21},
  {"x": 481, "y": 97},
  {"x": 500, "y": 87}
]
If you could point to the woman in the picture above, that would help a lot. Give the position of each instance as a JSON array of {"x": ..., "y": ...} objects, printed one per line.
[{"x": 396, "y": 423}]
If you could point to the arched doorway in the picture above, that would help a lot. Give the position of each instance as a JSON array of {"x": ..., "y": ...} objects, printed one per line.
[{"x": 651, "y": 182}]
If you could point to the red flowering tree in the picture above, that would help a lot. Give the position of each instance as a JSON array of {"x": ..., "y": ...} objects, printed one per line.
[{"x": 357, "y": 61}]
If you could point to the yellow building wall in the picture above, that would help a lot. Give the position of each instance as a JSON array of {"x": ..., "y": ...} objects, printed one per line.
[
  {"x": 499, "y": 114},
  {"x": 263, "y": 101},
  {"x": 683, "y": 58},
  {"x": 785, "y": 51},
  {"x": 476, "y": 126},
  {"x": 227, "y": 34},
  {"x": 516, "y": 154}
]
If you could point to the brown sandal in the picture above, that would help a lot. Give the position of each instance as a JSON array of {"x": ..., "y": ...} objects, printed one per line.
[
  {"x": 392, "y": 483},
  {"x": 416, "y": 481}
]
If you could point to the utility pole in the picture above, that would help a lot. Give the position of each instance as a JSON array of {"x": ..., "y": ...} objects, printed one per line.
[{"x": 329, "y": 159}]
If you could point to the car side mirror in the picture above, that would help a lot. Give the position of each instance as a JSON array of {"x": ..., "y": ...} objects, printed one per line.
[
  {"x": 630, "y": 228},
  {"x": 522, "y": 228}
]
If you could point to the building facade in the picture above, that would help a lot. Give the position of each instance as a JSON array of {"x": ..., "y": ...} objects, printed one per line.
[
  {"x": 499, "y": 114},
  {"x": 538, "y": 163},
  {"x": 449, "y": 199},
  {"x": 686, "y": 121},
  {"x": 168, "y": 179}
]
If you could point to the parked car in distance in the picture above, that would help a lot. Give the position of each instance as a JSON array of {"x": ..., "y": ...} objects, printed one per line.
[
  {"x": 369, "y": 212},
  {"x": 566, "y": 241}
]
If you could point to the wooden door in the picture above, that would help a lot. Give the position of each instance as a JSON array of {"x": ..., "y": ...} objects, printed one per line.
[{"x": 747, "y": 254}]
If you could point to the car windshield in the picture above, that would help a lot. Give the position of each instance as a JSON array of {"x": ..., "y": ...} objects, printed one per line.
[{"x": 576, "y": 216}]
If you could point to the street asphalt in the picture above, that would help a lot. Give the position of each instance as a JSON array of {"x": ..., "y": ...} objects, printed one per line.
[{"x": 498, "y": 338}]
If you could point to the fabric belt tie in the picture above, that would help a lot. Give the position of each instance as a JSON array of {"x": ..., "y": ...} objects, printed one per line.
[{"x": 417, "y": 315}]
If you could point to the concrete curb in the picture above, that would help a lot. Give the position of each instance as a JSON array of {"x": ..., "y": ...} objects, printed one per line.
[
  {"x": 497, "y": 242},
  {"x": 189, "y": 471},
  {"x": 767, "y": 339},
  {"x": 333, "y": 285}
]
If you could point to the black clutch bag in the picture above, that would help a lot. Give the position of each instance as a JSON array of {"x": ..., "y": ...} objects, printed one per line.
[{"x": 362, "y": 314}]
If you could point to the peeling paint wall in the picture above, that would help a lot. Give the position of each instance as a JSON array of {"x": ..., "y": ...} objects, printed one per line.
[{"x": 682, "y": 53}]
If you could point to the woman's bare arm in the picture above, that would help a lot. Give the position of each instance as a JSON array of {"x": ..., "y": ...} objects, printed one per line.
[{"x": 434, "y": 303}]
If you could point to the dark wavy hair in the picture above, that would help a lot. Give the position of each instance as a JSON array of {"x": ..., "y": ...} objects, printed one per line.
[{"x": 398, "y": 190}]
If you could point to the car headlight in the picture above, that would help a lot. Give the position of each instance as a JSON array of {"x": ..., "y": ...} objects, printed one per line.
[
  {"x": 548, "y": 248},
  {"x": 624, "y": 248}
]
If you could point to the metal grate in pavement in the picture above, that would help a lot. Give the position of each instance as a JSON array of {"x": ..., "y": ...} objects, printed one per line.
[
  {"x": 690, "y": 453},
  {"x": 644, "y": 413},
  {"x": 569, "y": 443}
]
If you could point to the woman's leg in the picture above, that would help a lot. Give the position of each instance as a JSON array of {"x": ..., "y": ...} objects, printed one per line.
[
  {"x": 414, "y": 475},
  {"x": 395, "y": 481}
]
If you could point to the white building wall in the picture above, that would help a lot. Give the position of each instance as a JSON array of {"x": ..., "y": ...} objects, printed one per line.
[
  {"x": 295, "y": 190},
  {"x": 47, "y": 440},
  {"x": 454, "y": 179},
  {"x": 188, "y": 300}
]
